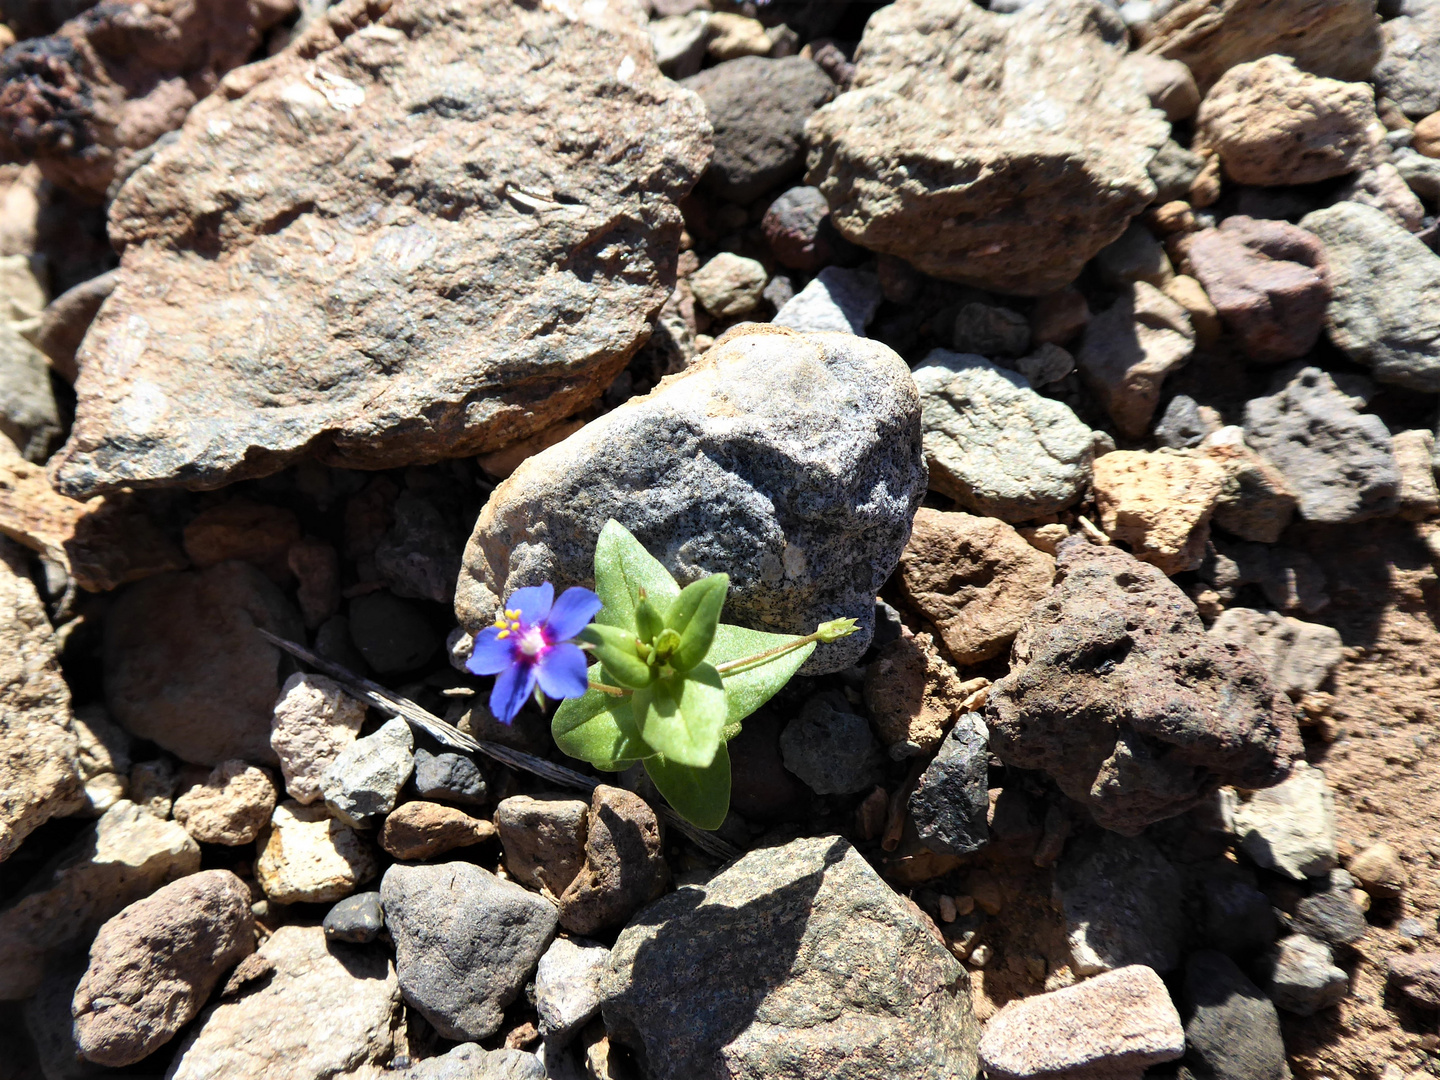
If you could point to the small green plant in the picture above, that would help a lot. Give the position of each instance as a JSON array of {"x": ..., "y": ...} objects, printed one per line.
[{"x": 671, "y": 683}]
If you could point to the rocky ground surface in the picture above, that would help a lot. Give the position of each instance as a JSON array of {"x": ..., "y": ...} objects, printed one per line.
[{"x": 1086, "y": 355}]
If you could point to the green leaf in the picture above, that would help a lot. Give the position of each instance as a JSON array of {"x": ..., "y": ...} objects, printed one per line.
[
  {"x": 599, "y": 728},
  {"x": 700, "y": 796},
  {"x": 747, "y": 690},
  {"x": 617, "y": 650},
  {"x": 683, "y": 716},
  {"x": 695, "y": 614},
  {"x": 622, "y": 568}
]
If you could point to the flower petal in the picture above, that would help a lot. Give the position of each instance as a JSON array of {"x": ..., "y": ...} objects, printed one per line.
[
  {"x": 533, "y": 603},
  {"x": 561, "y": 669},
  {"x": 492, "y": 654},
  {"x": 512, "y": 687},
  {"x": 571, "y": 612}
]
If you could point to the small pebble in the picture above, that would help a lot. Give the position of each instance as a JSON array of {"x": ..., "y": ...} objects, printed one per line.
[
  {"x": 980, "y": 956},
  {"x": 948, "y": 911},
  {"x": 357, "y": 919}
]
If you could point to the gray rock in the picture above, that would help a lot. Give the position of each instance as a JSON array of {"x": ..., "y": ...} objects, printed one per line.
[
  {"x": 830, "y": 748},
  {"x": 792, "y": 462},
  {"x": 154, "y": 964},
  {"x": 1385, "y": 292},
  {"x": 936, "y": 100},
  {"x": 326, "y": 1011},
  {"x": 950, "y": 804},
  {"x": 1331, "y": 915},
  {"x": 1255, "y": 503},
  {"x": 1298, "y": 655},
  {"x": 1123, "y": 904},
  {"x": 680, "y": 42},
  {"x": 1289, "y": 579},
  {"x": 1136, "y": 256},
  {"x": 357, "y": 919},
  {"x": 1173, "y": 169},
  {"x": 996, "y": 446},
  {"x": 469, "y": 1061},
  {"x": 391, "y": 634},
  {"x": 1290, "y": 828},
  {"x": 838, "y": 300},
  {"x": 794, "y": 961},
  {"x": 466, "y": 942},
  {"x": 758, "y": 108},
  {"x": 1239, "y": 920},
  {"x": 40, "y": 768},
  {"x": 1129, "y": 349},
  {"x": 29, "y": 416},
  {"x": 123, "y": 857},
  {"x": 1181, "y": 426},
  {"x": 1409, "y": 71},
  {"x": 1232, "y": 1031},
  {"x": 1303, "y": 977},
  {"x": 991, "y": 330},
  {"x": 1420, "y": 172},
  {"x": 544, "y": 839},
  {"x": 567, "y": 987},
  {"x": 365, "y": 779},
  {"x": 320, "y": 271},
  {"x": 449, "y": 777},
  {"x": 1339, "y": 464},
  {"x": 420, "y": 555},
  {"x": 1048, "y": 364},
  {"x": 51, "y": 1026}
]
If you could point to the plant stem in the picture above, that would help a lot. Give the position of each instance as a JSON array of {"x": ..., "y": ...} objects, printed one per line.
[
  {"x": 613, "y": 691},
  {"x": 769, "y": 654}
]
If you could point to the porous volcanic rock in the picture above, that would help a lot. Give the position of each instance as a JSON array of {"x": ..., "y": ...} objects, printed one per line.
[
  {"x": 39, "y": 762},
  {"x": 999, "y": 150},
  {"x": 421, "y": 232},
  {"x": 791, "y": 461},
  {"x": 85, "y": 100},
  {"x": 1119, "y": 694}
]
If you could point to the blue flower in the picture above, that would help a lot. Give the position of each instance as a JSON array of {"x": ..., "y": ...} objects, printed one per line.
[{"x": 530, "y": 644}]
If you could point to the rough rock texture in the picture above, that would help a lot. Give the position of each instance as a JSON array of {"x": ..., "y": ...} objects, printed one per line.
[
  {"x": 974, "y": 578},
  {"x": 758, "y": 109},
  {"x": 1273, "y": 124},
  {"x": 324, "y": 1012},
  {"x": 314, "y": 720},
  {"x": 1380, "y": 871},
  {"x": 911, "y": 693},
  {"x": 231, "y": 807},
  {"x": 544, "y": 839},
  {"x": 29, "y": 416},
  {"x": 1118, "y": 693},
  {"x": 1417, "y": 976},
  {"x": 624, "y": 865},
  {"x": 1338, "y": 38},
  {"x": 567, "y": 987},
  {"x": 311, "y": 858},
  {"x": 1231, "y": 1029},
  {"x": 950, "y": 803},
  {"x": 1113, "y": 1026},
  {"x": 792, "y": 462},
  {"x": 1382, "y": 187},
  {"x": 729, "y": 285},
  {"x": 421, "y": 830},
  {"x": 837, "y": 300},
  {"x": 365, "y": 777},
  {"x": 1255, "y": 503},
  {"x": 1159, "y": 504},
  {"x": 298, "y": 265},
  {"x": 1290, "y": 828},
  {"x": 466, "y": 942},
  {"x": 185, "y": 668},
  {"x": 1122, "y": 902},
  {"x": 153, "y": 965},
  {"x": 1408, "y": 74},
  {"x": 1304, "y": 977},
  {"x": 1415, "y": 457},
  {"x": 470, "y": 1061},
  {"x": 1268, "y": 282},
  {"x": 1337, "y": 461},
  {"x": 124, "y": 856},
  {"x": 993, "y": 444},
  {"x": 1388, "y": 322},
  {"x": 999, "y": 150},
  {"x": 794, "y": 961},
  {"x": 1299, "y": 655},
  {"x": 798, "y": 229},
  {"x": 39, "y": 763},
  {"x": 109, "y": 82},
  {"x": 830, "y": 748},
  {"x": 1129, "y": 349}
]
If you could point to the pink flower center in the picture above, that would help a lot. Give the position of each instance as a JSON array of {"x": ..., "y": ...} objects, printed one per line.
[{"x": 532, "y": 642}]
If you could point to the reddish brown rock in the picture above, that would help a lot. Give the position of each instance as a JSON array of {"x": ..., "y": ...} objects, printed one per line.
[
  {"x": 336, "y": 257},
  {"x": 240, "y": 529},
  {"x": 111, "y": 81},
  {"x": 544, "y": 839},
  {"x": 1417, "y": 976},
  {"x": 624, "y": 866},
  {"x": 974, "y": 578},
  {"x": 421, "y": 830},
  {"x": 912, "y": 692},
  {"x": 153, "y": 965},
  {"x": 1267, "y": 279},
  {"x": 1119, "y": 694}
]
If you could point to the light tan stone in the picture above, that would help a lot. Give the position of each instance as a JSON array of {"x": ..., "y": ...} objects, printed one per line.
[
  {"x": 314, "y": 720},
  {"x": 1159, "y": 504},
  {"x": 231, "y": 807},
  {"x": 310, "y": 857}
]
